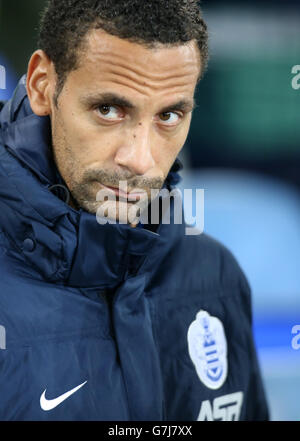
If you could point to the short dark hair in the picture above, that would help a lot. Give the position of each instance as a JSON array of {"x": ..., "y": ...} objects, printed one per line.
[{"x": 65, "y": 23}]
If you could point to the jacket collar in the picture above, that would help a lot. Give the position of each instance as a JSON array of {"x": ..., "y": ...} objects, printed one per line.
[{"x": 79, "y": 251}]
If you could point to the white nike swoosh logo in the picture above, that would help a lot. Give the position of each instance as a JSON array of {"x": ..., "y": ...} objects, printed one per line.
[{"x": 52, "y": 404}]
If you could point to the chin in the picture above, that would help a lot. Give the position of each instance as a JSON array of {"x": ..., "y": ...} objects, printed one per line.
[{"x": 90, "y": 207}]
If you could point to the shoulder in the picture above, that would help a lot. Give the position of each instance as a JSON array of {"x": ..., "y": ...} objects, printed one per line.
[{"x": 214, "y": 262}]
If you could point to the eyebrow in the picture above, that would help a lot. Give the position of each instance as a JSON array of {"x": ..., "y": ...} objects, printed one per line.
[{"x": 114, "y": 99}]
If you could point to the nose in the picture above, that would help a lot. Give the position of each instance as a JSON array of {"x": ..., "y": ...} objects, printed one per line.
[{"x": 136, "y": 151}]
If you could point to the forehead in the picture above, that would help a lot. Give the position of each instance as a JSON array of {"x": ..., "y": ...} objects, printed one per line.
[{"x": 112, "y": 59}]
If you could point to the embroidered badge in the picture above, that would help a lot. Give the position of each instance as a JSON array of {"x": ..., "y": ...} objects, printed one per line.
[{"x": 208, "y": 349}]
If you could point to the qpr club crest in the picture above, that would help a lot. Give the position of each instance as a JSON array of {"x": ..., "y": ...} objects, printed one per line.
[{"x": 208, "y": 349}]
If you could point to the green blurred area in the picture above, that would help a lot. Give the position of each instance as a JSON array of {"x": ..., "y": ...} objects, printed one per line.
[
  {"x": 249, "y": 108},
  {"x": 18, "y": 30}
]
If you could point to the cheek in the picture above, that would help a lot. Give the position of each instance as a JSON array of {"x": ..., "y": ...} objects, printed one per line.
[
  {"x": 175, "y": 146},
  {"x": 165, "y": 157},
  {"x": 83, "y": 140},
  {"x": 176, "y": 142},
  {"x": 77, "y": 133}
]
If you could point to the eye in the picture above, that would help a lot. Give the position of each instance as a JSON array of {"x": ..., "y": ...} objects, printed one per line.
[
  {"x": 171, "y": 118},
  {"x": 109, "y": 112}
]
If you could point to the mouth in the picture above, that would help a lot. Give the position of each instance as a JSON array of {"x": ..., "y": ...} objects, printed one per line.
[{"x": 125, "y": 196}]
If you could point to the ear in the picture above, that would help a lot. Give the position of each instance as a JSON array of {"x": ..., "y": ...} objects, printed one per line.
[{"x": 40, "y": 83}]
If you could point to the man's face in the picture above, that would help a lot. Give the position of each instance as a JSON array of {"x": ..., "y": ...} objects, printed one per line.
[{"x": 123, "y": 115}]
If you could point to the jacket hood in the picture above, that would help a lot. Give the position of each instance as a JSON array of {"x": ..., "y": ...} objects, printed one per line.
[{"x": 62, "y": 244}]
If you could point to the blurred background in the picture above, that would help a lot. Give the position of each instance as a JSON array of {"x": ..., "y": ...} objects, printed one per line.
[{"x": 243, "y": 150}]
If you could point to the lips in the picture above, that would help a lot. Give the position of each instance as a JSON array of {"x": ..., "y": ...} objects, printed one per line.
[{"x": 123, "y": 195}]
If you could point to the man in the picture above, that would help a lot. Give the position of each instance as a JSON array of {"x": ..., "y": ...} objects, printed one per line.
[{"x": 121, "y": 320}]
